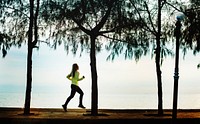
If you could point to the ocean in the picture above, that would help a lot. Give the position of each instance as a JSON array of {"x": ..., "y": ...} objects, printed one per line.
[{"x": 50, "y": 98}]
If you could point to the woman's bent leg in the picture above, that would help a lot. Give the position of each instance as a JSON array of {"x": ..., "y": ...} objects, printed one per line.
[{"x": 81, "y": 97}]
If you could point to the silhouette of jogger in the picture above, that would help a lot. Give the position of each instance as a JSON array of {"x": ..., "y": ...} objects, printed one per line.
[{"x": 74, "y": 77}]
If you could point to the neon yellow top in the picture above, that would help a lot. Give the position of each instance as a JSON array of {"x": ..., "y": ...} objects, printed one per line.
[{"x": 75, "y": 79}]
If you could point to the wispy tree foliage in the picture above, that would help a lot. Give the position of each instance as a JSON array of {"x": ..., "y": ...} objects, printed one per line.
[
  {"x": 191, "y": 33},
  {"x": 130, "y": 39},
  {"x": 13, "y": 23}
]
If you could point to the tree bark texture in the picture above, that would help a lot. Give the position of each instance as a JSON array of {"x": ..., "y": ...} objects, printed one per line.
[
  {"x": 158, "y": 70},
  {"x": 29, "y": 62},
  {"x": 94, "y": 110}
]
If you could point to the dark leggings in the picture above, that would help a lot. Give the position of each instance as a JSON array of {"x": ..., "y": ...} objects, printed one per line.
[{"x": 75, "y": 89}]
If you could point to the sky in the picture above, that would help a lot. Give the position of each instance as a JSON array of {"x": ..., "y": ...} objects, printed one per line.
[{"x": 118, "y": 77}]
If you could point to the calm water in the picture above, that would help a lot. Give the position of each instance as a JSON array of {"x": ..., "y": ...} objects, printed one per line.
[{"x": 42, "y": 98}]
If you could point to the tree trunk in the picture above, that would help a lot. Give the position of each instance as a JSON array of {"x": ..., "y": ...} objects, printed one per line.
[
  {"x": 94, "y": 110},
  {"x": 29, "y": 82},
  {"x": 29, "y": 62},
  {"x": 158, "y": 70},
  {"x": 159, "y": 79}
]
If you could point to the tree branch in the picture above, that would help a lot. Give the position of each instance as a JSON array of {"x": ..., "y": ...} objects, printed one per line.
[
  {"x": 105, "y": 17},
  {"x": 154, "y": 30},
  {"x": 35, "y": 25},
  {"x": 147, "y": 27},
  {"x": 173, "y": 7},
  {"x": 80, "y": 26}
]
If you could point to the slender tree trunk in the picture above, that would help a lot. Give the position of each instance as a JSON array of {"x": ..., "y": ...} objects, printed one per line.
[
  {"x": 159, "y": 79},
  {"x": 94, "y": 110},
  {"x": 29, "y": 82},
  {"x": 158, "y": 70},
  {"x": 29, "y": 62},
  {"x": 35, "y": 23}
]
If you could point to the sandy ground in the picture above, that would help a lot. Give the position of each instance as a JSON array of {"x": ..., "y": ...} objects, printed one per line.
[{"x": 73, "y": 116}]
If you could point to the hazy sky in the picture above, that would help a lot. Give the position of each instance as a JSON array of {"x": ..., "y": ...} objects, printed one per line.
[{"x": 50, "y": 68}]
